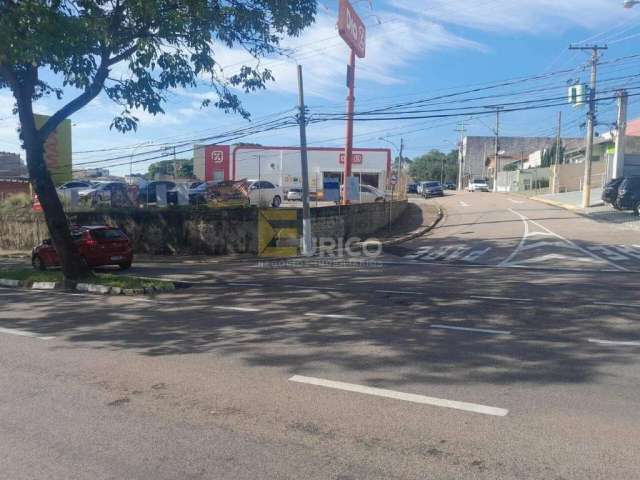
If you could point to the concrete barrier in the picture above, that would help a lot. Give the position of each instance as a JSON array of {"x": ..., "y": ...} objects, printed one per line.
[{"x": 200, "y": 231}]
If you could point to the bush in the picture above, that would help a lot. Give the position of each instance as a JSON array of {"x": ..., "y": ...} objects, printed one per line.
[{"x": 16, "y": 203}]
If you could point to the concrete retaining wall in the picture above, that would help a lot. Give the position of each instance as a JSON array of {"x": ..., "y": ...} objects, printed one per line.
[{"x": 195, "y": 231}]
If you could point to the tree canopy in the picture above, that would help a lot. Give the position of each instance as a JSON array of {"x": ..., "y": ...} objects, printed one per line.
[
  {"x": 430, "y": 166},
  {"x": 135, "y": 51}
]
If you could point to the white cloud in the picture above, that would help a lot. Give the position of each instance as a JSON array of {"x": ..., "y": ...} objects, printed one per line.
[
  {"x": 515, "y": 15},
  {"x": 391, "y": 46}
]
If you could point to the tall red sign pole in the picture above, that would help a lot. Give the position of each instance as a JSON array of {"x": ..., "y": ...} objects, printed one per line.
[{"x": 353, "y": 32}]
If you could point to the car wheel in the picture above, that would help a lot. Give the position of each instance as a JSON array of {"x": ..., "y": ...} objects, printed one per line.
[
  {"x": 277, "y": 201},
  {"x": 37, "y": 263},
  {"x": 125, "y": 266}
]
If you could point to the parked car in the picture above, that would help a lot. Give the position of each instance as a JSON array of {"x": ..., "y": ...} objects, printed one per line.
[
  {"x": 198, "y": 192},
  {"x": 98, "y": 246},
  {"x": 74, "y": 185},
  {"x": 412, "y": 188},
  {"x": 610, "y": 192},
  {"x": 478, "y": 185},
  {"x": 450, "y": 186},
  {"x": 629, "y": 195},
  {"x": 294, "y": 194},
  {"x": 114, "y": 193},
  {"x": 265, "y": 192},
  {"x": 147, "y": 194},
  {"x": 432, "y": 189}
]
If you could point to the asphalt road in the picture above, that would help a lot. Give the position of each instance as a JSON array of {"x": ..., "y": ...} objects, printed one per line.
[{"x": 504, "y": 345}]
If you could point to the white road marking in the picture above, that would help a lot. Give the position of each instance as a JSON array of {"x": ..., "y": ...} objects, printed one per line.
[
  {"x": 546, "y": 232},
  {"x": 464, "y": 204},
  {"x": 236, "y": 284},
  {"x": 502, "y": 298},
  {"x": 333, "y": 315},
  {"x": 477, "y": 330},
  {"x": 613, "y": 304},
  {"x": 238, "y": 309},
  {"x": 516, "y": 201},
  {"x": 407, "y": 397},
  {"x": 399, "y": 292},
  {"x": 557, "y": 256},
  {"x": 613, "y": 342},
  {"x": 23, "y": 333}
]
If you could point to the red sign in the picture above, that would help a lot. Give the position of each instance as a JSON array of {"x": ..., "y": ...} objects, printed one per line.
[
  {"x": 352, "y": 29},
  {"x": 216, "y": 163},
  {"x": 356, "y": 158}
]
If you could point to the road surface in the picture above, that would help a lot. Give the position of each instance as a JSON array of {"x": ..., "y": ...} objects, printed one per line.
[{"x": 504, "y": 345}]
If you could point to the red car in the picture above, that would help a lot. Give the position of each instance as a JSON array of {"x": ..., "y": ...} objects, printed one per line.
[{"x": 98, "y": 245}]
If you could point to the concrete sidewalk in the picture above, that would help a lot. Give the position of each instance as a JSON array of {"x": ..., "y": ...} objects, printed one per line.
[
  {"x": 571, "y": 200},
  {"x": 598, "y": 211}
]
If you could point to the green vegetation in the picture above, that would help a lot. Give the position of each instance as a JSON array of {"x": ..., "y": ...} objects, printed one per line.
[
  {"x": 28, "y": 277},
  {"x": 16, "y": 203},
  {"x": 435, "y": 165},
  {"x": 179, "y": 168}
]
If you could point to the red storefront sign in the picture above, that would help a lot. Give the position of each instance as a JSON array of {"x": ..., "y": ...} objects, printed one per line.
[
  {"x": 216, "y": 163},
  {"x": 352, "y": 29},
  {"x": 356, "y": 158}
]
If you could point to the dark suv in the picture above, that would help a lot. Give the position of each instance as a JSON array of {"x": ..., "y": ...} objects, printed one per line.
[
  {"x": 629, "y": 194},
  {"x": 623, "y": 194}
]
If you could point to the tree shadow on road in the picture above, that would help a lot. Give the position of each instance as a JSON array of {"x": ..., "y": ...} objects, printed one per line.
[{"x": 387, "y": 337}]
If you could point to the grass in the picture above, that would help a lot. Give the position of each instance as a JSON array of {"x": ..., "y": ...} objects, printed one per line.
[{"x": 28, "y": 276}]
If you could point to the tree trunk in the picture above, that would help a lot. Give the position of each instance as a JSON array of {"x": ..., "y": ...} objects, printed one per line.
[{"x": 74, "y": 267}]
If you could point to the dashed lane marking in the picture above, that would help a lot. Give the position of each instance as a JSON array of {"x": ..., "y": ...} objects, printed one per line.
[
  {"x": 615, "y": 304},
  {"x": 475, "y": 330},
  {"x": 407, "y": 397},
  {"x": 333, "y": 315},
  {"x": 508, "y": 299},
  {"x": 464, "y": 204},
  {"x": 614, "y": 342},
  {"x": 23, "y": 333},
  {"x": 399, "y": 292},
  {"x": 238, "y": 309}
]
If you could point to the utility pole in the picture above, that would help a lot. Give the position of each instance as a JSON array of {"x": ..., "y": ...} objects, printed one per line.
[
  {"x": 621, "y": 136},
  {"x": 591, "y": 118},
  {"x": 497, "y": 150},
  {"x": 559, "y": 139},
  {"x": 307, "y": 245},
  {"x": 462, "y": 132},
  {"x": 348, "y": 150}
]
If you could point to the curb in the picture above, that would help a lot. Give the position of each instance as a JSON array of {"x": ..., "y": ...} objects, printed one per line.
[
  {"x": 86, "y": 288},
  {"x": 416, "y": 233},
  {"x": 566, "y": 206}
]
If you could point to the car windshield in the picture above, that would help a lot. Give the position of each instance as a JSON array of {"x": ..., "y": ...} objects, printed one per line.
[
  {"x": 108, "y": 234},
  {"x": 433, "y": 184}
]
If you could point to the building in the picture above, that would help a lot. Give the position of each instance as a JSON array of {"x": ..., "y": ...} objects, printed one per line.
[
  {"x": 478, "y": 151},
  {"x": 11, "y": 165},
  {"x": 13, "y": 186},
  {"x": 282, "y": 165}
]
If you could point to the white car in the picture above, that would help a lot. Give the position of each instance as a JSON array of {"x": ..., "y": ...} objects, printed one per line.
[
  {"x": 369, "y": 194},
  {"x": 67, "y": 189},
  {"x": 294, "y": 194},
  {"x": 264, "y": 193},
  {"x": 478, "y": 185}
]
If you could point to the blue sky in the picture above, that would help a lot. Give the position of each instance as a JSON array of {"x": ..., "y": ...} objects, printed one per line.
[{"x": 416, "y": 49}]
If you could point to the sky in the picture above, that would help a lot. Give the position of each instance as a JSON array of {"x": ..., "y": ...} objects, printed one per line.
[{"x": 415, "y": 50}]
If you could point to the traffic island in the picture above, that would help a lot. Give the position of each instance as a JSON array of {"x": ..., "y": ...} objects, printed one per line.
[{"x": 101, "y": 283}]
